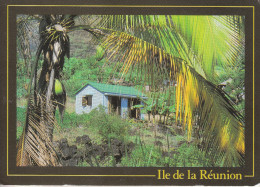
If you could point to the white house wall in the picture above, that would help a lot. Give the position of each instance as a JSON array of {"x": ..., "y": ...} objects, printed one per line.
[
  {"x": 98, "y": 98},
  {"x": 105, "y": 103}
]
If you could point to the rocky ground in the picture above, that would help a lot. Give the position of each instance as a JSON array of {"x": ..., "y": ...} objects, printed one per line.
[
  {"x": 86, "y": 151},
  {"x": 82, "y": 151}
]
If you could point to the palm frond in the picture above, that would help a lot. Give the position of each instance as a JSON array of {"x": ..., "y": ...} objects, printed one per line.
[
  {"x": 202, "y": 41},
  {"x": 215, "y": 39},
  {"x": 221, "y": 126},
  {"x": 35, "y": 146},
  {"x": 26, "y": 35}
]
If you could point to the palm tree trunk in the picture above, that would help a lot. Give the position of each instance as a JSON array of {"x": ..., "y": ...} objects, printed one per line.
[
  {"x": 54, "y": 54},
  {"x": 50, "y": 109},
  {"x": 41, "y": 113}
]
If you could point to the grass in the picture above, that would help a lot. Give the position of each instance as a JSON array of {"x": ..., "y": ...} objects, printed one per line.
[
  {"x": 74, "y": 125},
  {"x": 20, "y": 116}
]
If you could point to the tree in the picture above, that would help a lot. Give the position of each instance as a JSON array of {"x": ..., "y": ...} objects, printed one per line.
[{"x": 183, "y": 49}]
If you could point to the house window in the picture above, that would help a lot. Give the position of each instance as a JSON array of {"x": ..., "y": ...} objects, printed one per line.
[{"x": 87, "y": 100}]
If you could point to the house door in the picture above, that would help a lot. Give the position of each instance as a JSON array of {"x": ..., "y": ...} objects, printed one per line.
[
  {"x": 134, "y": 112},
  {"x": 114, "y": 105}
]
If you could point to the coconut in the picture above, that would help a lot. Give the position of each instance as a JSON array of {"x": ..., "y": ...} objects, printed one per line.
[
  {"x": 58, "y": 87},
  {"x": 100, "y": 52}
]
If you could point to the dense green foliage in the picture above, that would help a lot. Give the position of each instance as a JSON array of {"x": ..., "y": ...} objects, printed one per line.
[
  {"x": 108, "y": 126},
  {"x": 159, "y": 103},
  {"x": 77, "y": 71},
  {"x": 234, "y": 79}
]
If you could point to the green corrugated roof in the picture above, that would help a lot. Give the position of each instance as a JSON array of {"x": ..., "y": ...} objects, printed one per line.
[{"x": 114, "y": 89}]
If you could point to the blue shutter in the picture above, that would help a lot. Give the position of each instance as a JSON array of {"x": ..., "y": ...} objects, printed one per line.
[{"x": 124, "y": 107}]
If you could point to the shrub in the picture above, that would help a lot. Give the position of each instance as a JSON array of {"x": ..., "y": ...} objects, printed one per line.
[{"x": 109, "y": 126}]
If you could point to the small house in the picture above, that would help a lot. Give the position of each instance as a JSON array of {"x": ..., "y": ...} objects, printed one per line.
[{"x": 114, "y": 98}]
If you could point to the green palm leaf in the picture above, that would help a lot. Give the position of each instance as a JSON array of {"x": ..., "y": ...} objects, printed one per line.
[
  {"x": 195, "y": 96},
  {"x": 202, "y": 41},
  {"x": 214, "y": 39}
]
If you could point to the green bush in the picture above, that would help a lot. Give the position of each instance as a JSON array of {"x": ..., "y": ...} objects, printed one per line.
[
  {"x": 76, "y": 72},
  {"x": 109, "y": 126}
]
